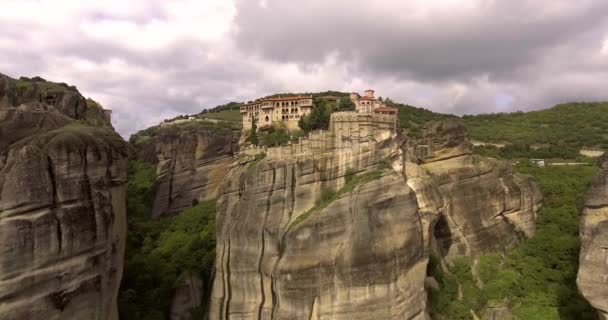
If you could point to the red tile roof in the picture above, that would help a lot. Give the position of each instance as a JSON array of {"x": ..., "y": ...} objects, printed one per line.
[{"x": 288, "y": 98}]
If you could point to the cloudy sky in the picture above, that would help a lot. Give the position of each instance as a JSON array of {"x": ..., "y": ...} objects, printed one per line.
[{"x": 150, "y": 60}]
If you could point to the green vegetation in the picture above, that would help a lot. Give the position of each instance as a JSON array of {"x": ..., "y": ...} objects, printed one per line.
[
  {"x": 25, "y": 84},
  {"x": 328, "y": 196},
  {"x": 94, "y": 114},
  {"x": 411, "y": 118},
  {"x": 445, "y": 303},
  {"x": 225, "y": 115},
  {"x": 277, "y": 135},
  {"x": 318, "y": 119},
  {"x": 563, "y": 130},
  {"x": 224, "y": 107},
  {"x": 253, "y": 134},
  {"x": 160, "y": 252},
  {"x": 76, "y": 136},
  {"x": 536, "y": 279},
  {"x": 228, "y": 113},
  {"x": 145, "y": 135},
  {"x": 345, "y": 104},
  {"x": 521, "y": 151}
]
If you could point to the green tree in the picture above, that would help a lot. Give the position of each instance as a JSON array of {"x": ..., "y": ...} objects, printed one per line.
[
  {"x": 318, "y": 119},
  {"x": 160, "y": 251},
  {"x": 253, "y": 137},
  {"x": 345, "y": 104},
  {"x": 537, "y": 278},
  {"x": 275, "y": 136}
]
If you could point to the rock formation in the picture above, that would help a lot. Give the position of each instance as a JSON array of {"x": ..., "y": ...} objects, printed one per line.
[
  {"x": 190, "y": 161},
  {"x": 593, "y": 271},
  {"x": 341, "y": 225},
  {"x": 187, "y": 297},
  {"x": 62, "y": 206},
  {"x": 63, "y": 98},
  {"x": 486, "y": 205}
]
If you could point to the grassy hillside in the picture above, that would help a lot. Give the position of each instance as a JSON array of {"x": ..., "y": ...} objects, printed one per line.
[
  {"x": 558, "y": 132},
  {"x": 412, "y": 118},
  {"x": 225, "y": 115}
]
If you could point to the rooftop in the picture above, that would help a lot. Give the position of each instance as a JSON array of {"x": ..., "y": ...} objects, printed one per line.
[
  {"x": 290, "y": 98},
  {"x": 385, "y": 109}
]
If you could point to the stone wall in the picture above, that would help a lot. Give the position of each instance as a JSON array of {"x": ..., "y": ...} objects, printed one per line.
[{"x": 348, "y": 131}]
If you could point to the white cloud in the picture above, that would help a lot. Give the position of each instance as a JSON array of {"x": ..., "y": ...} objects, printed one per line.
[{"x": 150, "y": 60}]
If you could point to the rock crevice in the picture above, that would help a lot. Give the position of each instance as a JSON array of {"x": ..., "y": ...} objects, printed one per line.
[{"x": 364, "y": 254}]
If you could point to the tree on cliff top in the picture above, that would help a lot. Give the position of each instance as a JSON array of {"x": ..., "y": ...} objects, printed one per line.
[
  {"x": 318, "y": 119},
  {"x": 253, "y": 137},
  {"x": 345, "y": 104}
]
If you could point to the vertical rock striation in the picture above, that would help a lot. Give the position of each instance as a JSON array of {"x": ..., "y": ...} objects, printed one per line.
[
  {"x": 62, "y": 212},
  {"x": 362, "y": 252},
  {"x": 187, "y": 297},
  {"x": 190, "y": 161},
  {"x": 593, "y": 268},
  {"x": 487, "y": 206}
]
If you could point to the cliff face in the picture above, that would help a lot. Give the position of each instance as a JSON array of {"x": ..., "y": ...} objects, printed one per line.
[
  {"x": 62, "y": 212},
  {"x": 188, "y": 296},
  {"x": 486, "y": 205},
  {"x": 300, "y": 237},
  {"x": 190, "y": 161},
  {"x": 592, "y": 273}
]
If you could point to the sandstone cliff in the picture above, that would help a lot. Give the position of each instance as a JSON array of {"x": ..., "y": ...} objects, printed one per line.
[
  {"x": 341, "y": 225},
  {"x": 62, "y": 206},
  {"x": 486, "y": 206},
  {"x": 187, "y": 297},
  {"x": 592, "y": 273},
  {"x": 190, "y": 160}
]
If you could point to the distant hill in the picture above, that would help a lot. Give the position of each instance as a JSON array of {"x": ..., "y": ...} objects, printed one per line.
[
  {"x": 557, "y": 132},
  {"x": 412, "y": 118}
]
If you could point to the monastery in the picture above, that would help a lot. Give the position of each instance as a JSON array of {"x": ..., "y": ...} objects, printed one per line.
[
  {"x": 289, "y": 110},
  {"x": 369, "y": 103},
  {"x": 265, "y": 111}
]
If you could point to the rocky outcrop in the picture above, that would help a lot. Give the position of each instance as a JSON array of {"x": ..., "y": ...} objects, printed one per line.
[
  {"x": 300, "y": 237},
  {"x": 487, "y": 206},
  {"x": 62, "y": 214},
  {"x": 593, "y": 271},
  {"x": 190, "y": 161},
  {"x": 187, "y": 297},
  {"x": 65, "y": 99}
]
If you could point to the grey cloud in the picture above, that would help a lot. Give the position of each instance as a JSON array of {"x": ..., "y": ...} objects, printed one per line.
[
  {"x": 456, "y": 62},
  {"x": 500, "y": 36}
]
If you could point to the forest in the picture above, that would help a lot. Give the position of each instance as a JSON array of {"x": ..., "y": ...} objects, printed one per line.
[{"x": 161, "y": 252}]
